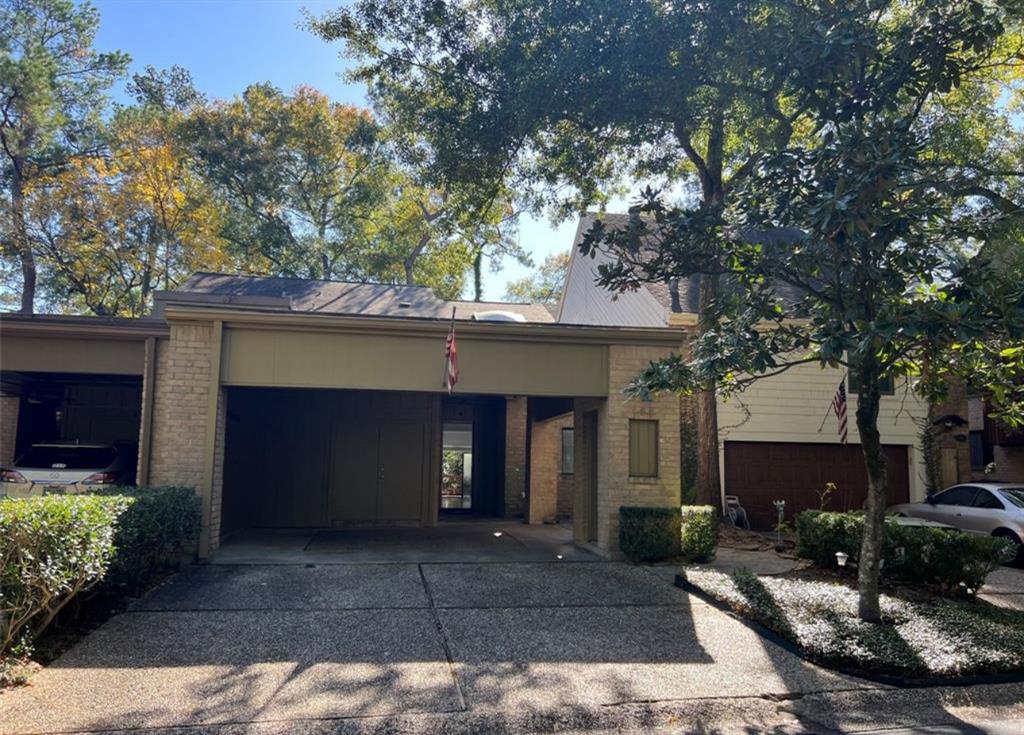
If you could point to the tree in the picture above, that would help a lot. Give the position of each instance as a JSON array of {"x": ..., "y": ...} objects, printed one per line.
[
  {"x": 317, "y": 189},
  {"x": 545, "y": 285},
  {"x": 112, "y": 228},
  {"x": 52, "y": 85},
  {"x": 563, "y": 102},
  {"x": 866, "y": 245}
]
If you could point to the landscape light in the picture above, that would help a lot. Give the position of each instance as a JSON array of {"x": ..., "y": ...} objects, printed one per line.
[{"x": 842, "y": 557}]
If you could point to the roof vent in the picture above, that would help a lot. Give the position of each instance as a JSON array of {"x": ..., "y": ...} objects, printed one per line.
[
  {"x": 498, "y": 316},
  {"x": 404, "y": 305}
]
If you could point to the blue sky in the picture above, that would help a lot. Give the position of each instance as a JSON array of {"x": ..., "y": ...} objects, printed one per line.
[{"x": 229, "y": 44}]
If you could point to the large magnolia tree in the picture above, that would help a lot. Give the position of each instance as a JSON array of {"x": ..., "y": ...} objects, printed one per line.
[{"x": 877, "y": 244}]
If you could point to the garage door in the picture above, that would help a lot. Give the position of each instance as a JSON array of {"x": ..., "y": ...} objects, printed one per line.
[{"x": 761, "y": 472}]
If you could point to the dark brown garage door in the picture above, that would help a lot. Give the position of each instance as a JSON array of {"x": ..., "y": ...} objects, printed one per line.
[{"x": 761, "y": 472}]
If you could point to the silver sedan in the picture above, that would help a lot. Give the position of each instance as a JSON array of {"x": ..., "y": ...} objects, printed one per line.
[{"x": 989, "y": 508}]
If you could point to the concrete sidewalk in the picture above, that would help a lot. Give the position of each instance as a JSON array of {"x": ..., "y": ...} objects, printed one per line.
[{"x": 452, "y": 648}]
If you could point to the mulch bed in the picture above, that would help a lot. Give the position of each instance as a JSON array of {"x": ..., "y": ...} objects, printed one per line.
[{"x": 923, "y": 639}]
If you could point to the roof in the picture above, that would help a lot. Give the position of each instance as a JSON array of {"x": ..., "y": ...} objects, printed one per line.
[
  {"x": 584, "y": 301},
  {"x": 336, "y": 297}
]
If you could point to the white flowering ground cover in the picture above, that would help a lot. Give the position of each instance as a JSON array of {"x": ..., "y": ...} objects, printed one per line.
[{"x": 927, "y": 638}]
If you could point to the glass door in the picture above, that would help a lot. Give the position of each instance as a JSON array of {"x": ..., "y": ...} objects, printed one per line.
[{"x": 457, "y": 465}]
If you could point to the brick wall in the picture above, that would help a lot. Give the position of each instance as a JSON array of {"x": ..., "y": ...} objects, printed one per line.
[
  {"x": 615, "y": 487},
  {"x": 1009, "y": 462},
  {"x": 217, "y": 489},
  {"x": 180, "y": 398},
  {"x": 550, "y": 490},
  {"x": 515, "y": 455},
  {"x": 9, "y": 407}
]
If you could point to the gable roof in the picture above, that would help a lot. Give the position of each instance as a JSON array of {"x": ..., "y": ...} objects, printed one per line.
[
  {"x": 336, "y": 297},
  {"x": 586, "y": 302}
]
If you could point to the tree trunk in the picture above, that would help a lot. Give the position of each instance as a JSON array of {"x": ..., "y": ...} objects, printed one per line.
[
  {"x": 869, "y": 564},
  {"x": 478, "y": 277},
  {"x": 410, "y": 260},
  {"x": 709, "y": 480},
  {"x": 21, "y": 242}
]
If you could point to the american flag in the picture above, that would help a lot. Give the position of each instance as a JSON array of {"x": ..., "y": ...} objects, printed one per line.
[
  {"x": 839, "y": 407},
  {"x": 451, "y": 358}
]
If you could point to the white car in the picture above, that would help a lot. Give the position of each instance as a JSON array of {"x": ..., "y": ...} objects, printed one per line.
[
  {"x": 989, "y": 508},
  {"x": 64, "y": 468}
]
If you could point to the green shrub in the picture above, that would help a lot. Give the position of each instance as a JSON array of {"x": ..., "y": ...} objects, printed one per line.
[
  {"x": 952, "y": 561},
  {"x": 649, "y": 534},
  {"x": 51, "y": 548},
  {"x": 158, "y": 524},
  {"x": 699, "y": 537}
]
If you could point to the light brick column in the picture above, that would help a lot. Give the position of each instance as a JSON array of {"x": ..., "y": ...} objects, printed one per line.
[
  {"x": 615, "y": 486},
  {"x": 181, "y": 403},
  {"x": 544, "y": 450},
  {"x": 9, "y": 407},
  {"x": 515, "y": 455}
]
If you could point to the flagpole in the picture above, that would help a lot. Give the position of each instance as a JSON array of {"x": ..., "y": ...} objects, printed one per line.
[
  {"x": 830, "y": 409},
  {"x": 447, "y": 357}
]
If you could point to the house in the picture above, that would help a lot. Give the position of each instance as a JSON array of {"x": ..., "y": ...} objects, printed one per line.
[
  {"x": 295, "y": 403},
  {"x": 299, "y": 403},
  {"x": 777, "y": 440}
]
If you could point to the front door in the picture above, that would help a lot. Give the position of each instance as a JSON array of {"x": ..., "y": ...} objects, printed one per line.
[
  {"x": 378, "y": 471},
  {"x": 457, "y": 465}
]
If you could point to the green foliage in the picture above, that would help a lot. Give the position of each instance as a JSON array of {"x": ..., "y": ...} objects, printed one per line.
[
  {"x": 51, "y": 549},
  {"x": 545, "y": 285},
  {"x": 699, "y": 536},
  {"x": 159, "y": 523},
  {"x": 52, "y": 99},
  {"x": 954, "y": 562},
  {"x": 649, "y": 534}
]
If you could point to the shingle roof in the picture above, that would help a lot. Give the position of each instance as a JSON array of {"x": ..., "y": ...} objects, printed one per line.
[{"x": 338, "y": 297}]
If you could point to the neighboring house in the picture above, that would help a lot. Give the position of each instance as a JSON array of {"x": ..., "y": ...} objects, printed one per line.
[{"x": 778, "y": 439}]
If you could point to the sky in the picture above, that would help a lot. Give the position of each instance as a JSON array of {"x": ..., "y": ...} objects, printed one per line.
[{"x": 229, "y": 44}]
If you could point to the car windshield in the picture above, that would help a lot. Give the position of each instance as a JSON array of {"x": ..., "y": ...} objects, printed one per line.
[
  {"x": 67, "y": 458},
  {"x": 1014, "y": 494}
]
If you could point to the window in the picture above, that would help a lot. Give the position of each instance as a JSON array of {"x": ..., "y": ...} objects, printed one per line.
[
  {"x": 1014, "y": 494},
  {"x": 568, "y": 436},
  {"x": 887, "y": 385},
  {"x": 985, "y": 499},
  {"x": 961, "y": 495},
  {"x": 643, "y": 448}
]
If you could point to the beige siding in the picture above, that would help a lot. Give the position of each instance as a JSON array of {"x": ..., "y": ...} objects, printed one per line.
[{"x": 790, "y": 408}]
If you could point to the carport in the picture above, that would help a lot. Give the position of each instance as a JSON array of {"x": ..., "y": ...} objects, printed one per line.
[
  {"x": 72, "y": 379},
  {"x": 339, "y": 421}
]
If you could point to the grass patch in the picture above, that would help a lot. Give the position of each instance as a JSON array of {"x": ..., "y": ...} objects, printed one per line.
[{"x": 931, "y": 637}]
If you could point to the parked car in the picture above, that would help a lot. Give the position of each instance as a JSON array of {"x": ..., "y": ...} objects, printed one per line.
[
  {"x": 990, "y": 508},
  {"x": 68, "y": 467}
]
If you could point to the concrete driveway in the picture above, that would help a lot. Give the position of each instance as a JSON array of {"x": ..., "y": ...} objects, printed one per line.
[{"x": 448, "y": 647}]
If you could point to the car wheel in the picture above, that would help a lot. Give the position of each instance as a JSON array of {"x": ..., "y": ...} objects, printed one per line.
[{"x": 1018, "y": 559}]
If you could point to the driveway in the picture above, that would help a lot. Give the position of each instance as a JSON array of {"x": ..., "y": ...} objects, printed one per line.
[{"x": 448, "y": 647}]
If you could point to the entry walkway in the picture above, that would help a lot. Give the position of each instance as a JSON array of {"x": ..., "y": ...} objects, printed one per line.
[{"x": 449, "y": 541}]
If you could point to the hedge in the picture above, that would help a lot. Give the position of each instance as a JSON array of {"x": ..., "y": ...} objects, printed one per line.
[
  {"x": 699, "y": 537},
  {"x": 158, "y": 524},
  {"x": 649, "y": 534},
  {"x": 953, "y": 561},
  {"x": 51, "y": 548}
]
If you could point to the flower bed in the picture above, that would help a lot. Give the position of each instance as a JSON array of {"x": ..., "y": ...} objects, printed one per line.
[{"x": 927, "y": 638}]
